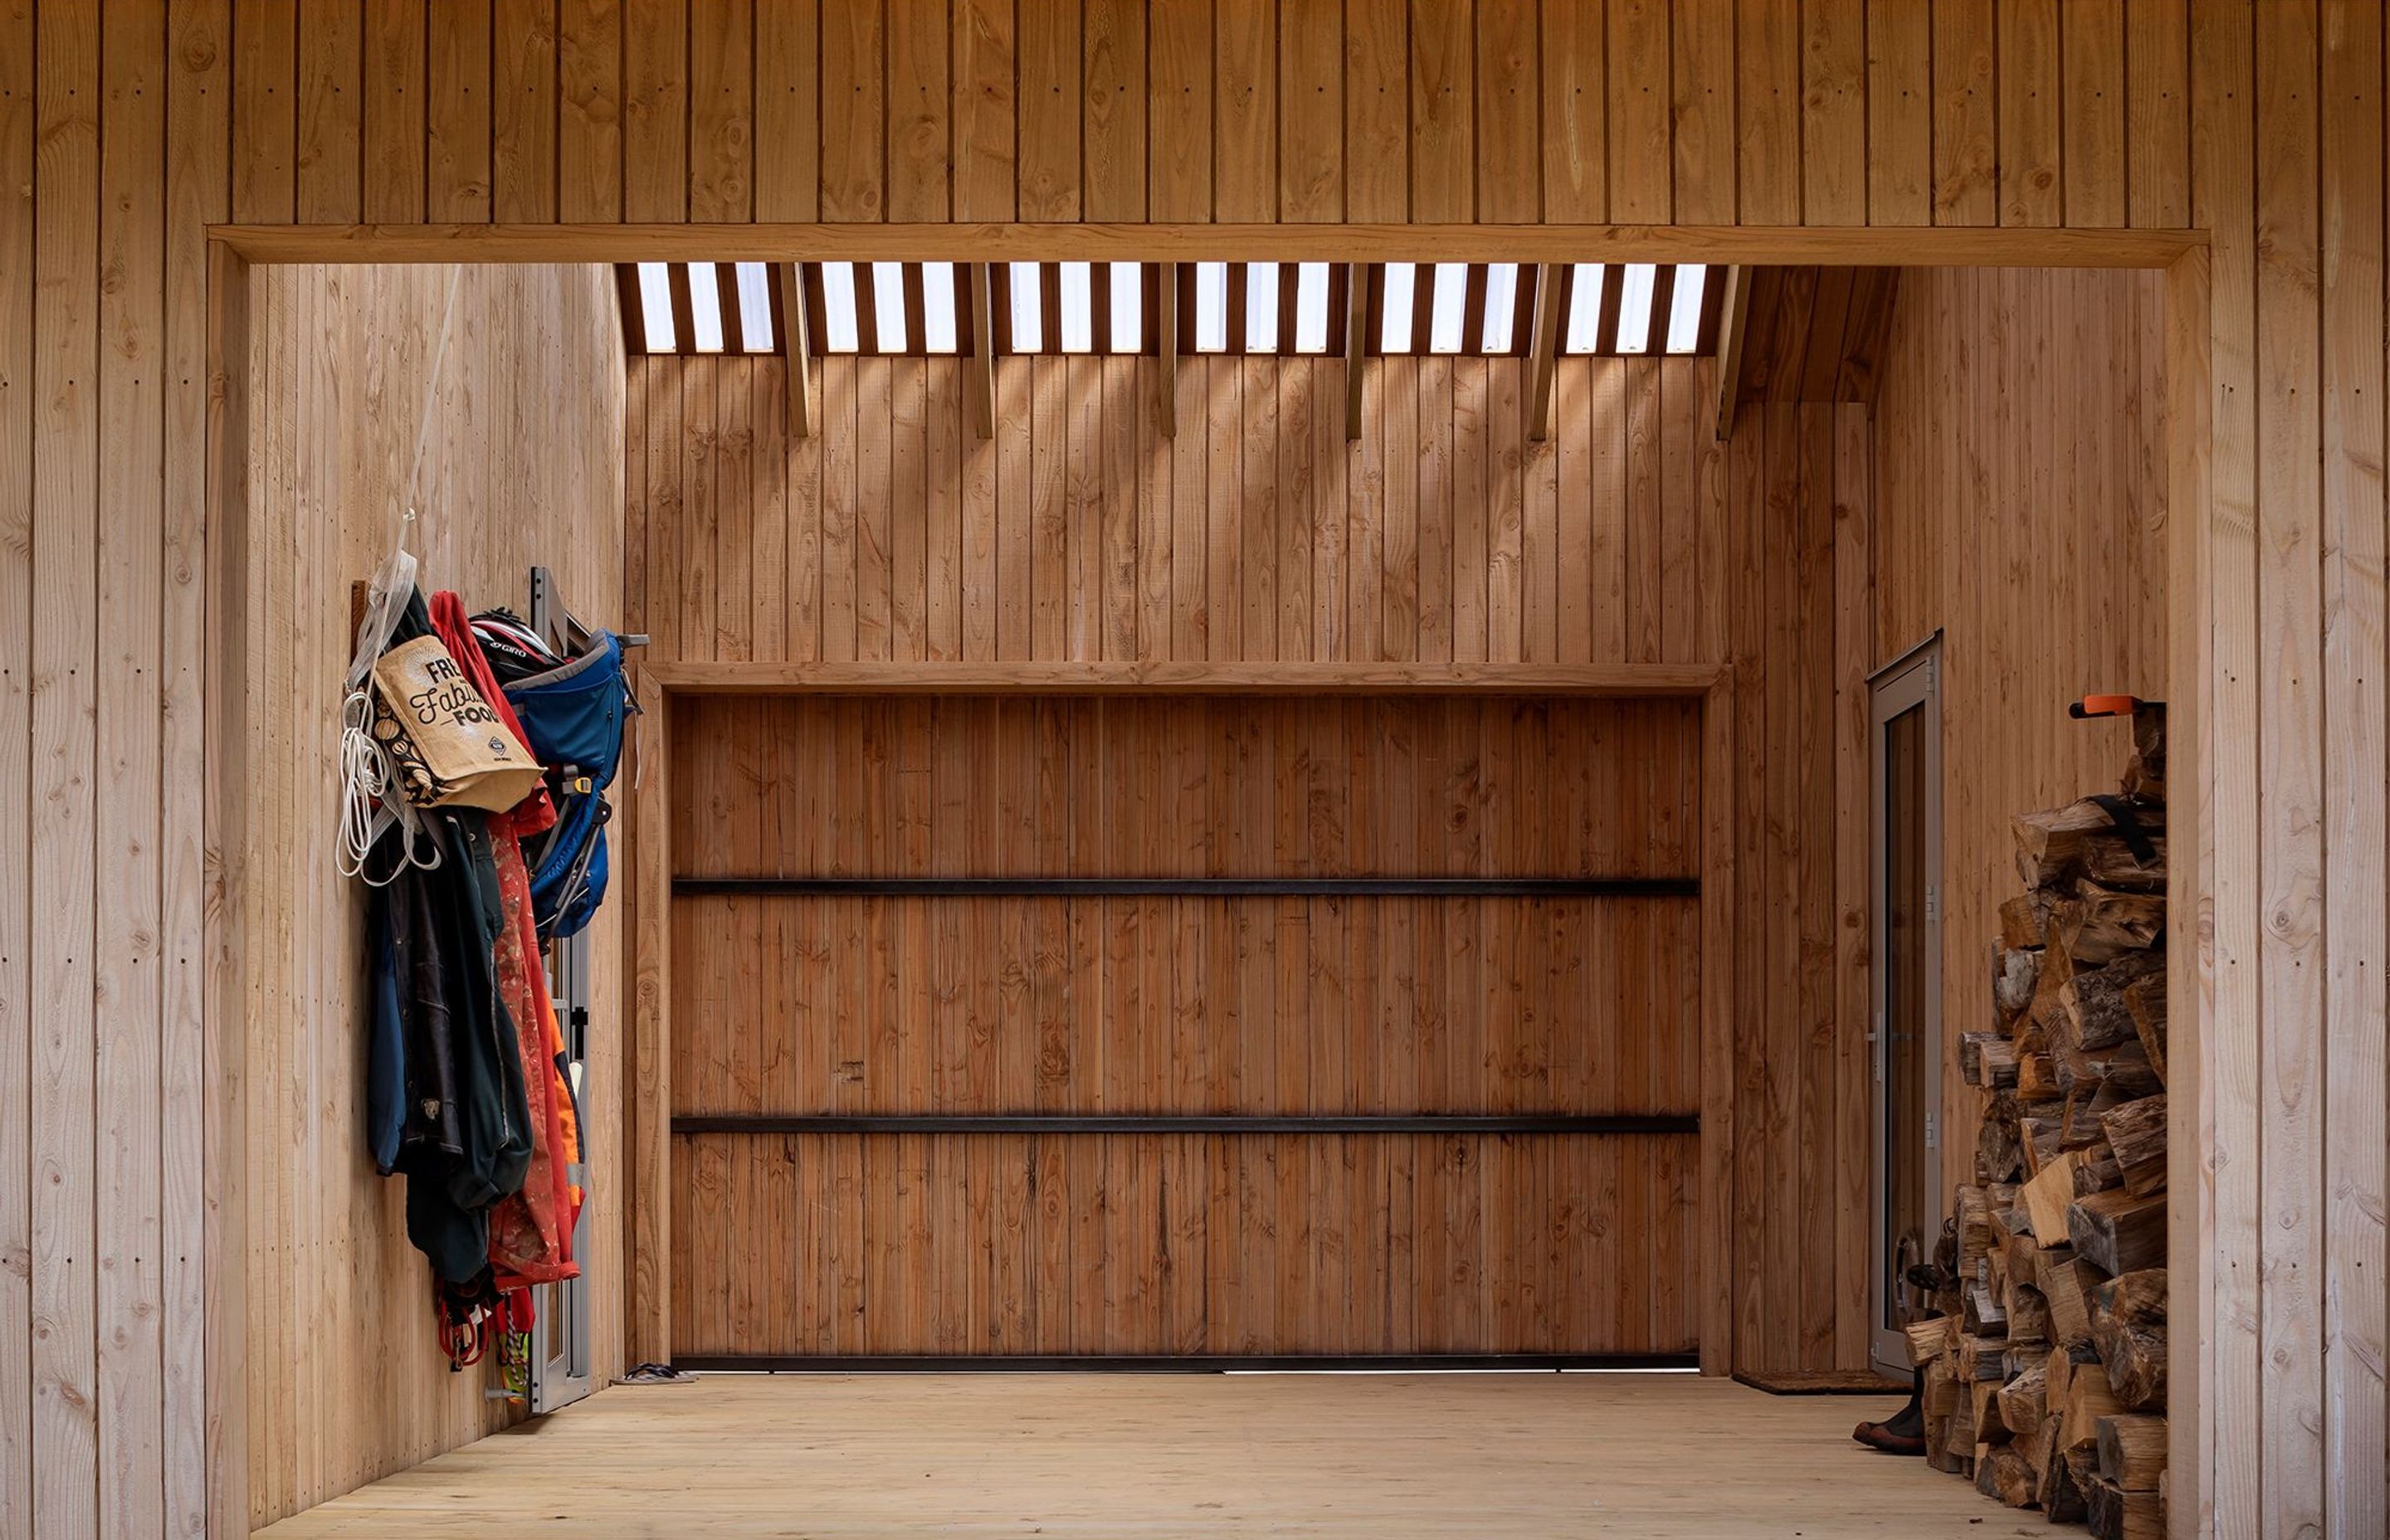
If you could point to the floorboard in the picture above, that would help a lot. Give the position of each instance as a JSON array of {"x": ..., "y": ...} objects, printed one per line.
[{"x": 1646, "y": 1455}]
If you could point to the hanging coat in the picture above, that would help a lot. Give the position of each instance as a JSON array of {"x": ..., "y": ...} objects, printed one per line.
[
  {"x": 531, "y": 1230},
  {"x": 447, "y": 1092}
]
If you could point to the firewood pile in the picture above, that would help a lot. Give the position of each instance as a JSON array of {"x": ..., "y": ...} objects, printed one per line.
[{"x": 2046, "y": 1373}]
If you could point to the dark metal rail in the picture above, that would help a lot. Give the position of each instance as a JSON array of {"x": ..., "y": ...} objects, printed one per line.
[
  {"x": 1191, "y": 887},
  {"x": 1067, "y": 1123},
  {"x": 1190, "y": 1364}
]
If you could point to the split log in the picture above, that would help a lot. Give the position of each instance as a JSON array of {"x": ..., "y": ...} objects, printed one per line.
[
  {"x": 2037, "y": 1077},
  {"x": 2124, "y": 1069},
  {"x": 2061, "y": 1497},
  {"x": 1960, "y": 1437},
  {"x": 2024, "y": 919},
  {"x": 2132, "y": 1450},
  {"x": 1975, "y": 1228},
  {"x": 1989, "y": 1059},
  {"x": 2097, "y": 1016},
  {"x": 2022, "y": 1270},
  {"x": 2137, "y": 1132},
  {"x": 1927, "y": 1339},
  {"x": 1940, "y": 1395},
  {"x": 2128, "y": 1330},
  {"x": 2137, "y": 1298},
  {"x": 2043, "y": 1138},
  {"x": 2016, "y": 975},
  {"x": 2050, "y": 1194},
  {"x": 2098, "y": 1172},
  {"x": 1983, "y": 1397},
  {"x": 2112, "y": 864},
  {"x": 2150, "y": 732},
  {"x": 2143, "y": 780},
  {"x": 2115, "y": 1514},
  {"x": 1999, "y": 1151},
  {"x": 2065, "y": 1283},
  {"x": 2147, "y": 1001},
  {"x": 2117, "y": 1232},
  {"x": 2003, "y": 1475},
  {"x": 2088, "y": 1398},
  {"x": 1979, "y": 1357},
  {"x": 2062, "y": 845},
  {"x": 2028, "y": 1314},
  {"x": 2025, "y": 1402},
  {"x": 2099, "y": 923}
]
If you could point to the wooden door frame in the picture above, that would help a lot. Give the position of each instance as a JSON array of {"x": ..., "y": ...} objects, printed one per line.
[{"x": 2181, "y": 255}]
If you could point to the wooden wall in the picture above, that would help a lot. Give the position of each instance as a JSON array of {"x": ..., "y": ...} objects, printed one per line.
[
  {"x": 2020, "y": 453},
  {"x": 1067, "y": 1242},
  {"x": 123, "y": 133},
  {"x": 346, "y": 1381},
  {"x": 1257, "y": 532}
]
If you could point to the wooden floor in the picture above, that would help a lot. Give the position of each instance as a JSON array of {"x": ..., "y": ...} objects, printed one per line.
[{"x": 1180, "y": 1456}]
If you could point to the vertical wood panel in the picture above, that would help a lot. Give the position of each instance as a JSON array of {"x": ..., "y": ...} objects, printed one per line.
[
  {"x": 1966, "y": 106},
  {"x": 1639, "y": 112},
  {"x": 788, "y": 110},
  {"x": 2093, "y": 109},
  {"x": 207, "y": 1454},
  {"x": 1244, "y": 159},
  {"x": 2289, "y": 748},
  {"x": 2157, "y": 140},
  {"x": 1703, "y": 112},
  {"x": 1114, "y": 98},
  {"x": 590, "y": 108},
  {"x": 1311, "y": 113},
  {"x": 984, "y": 110},
  {"x": 265, "y": 120},
  {"x": 1835, "y": 111},
  {"x": 1900, "y": 112},
  {"x": 1509, "y": 89},
  {"x": 129, "y": 789},
  {"x": 1377, "y": 140},
  {"x": 2351, "y": 536},
  {"x": 64, "y": 658},
  {"x": 655, "y": 111},
  {"x": 1049, "y": 46},
  {"x": 854, "y": 111},
  {"x": 331, "y": 101},
  {"x": 457, "y": 110},
  {"x": 722, "y": 110},
  {"x": 1767, "y": 111},
  {"x": 1442, "y": 112},
  {"x": 18, "y": 136},
  {"x": 920, "y": 111},
  {"x": 524, "y": 75},
  {"x": 2029, "y": 112}
]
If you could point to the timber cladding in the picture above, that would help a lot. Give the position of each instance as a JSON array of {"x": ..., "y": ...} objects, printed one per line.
[
  {"x": 342, "y": 368},
  {"x": 1161, "y": 1241},
  {"x": 120, "y": 142}
]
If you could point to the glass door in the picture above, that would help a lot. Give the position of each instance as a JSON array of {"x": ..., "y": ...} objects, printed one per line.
[{"x": 1907, "y": 1035}]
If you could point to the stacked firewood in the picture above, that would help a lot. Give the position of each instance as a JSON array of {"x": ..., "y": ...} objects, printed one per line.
[{"x": 2046, "y": 1374}]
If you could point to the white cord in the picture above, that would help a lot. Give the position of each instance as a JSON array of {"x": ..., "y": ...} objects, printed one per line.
[
  {"x": 372, "y": 801},
  {"x": 431, "y": 399}
]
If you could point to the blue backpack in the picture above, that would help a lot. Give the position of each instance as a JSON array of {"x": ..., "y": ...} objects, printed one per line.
[{"x": 573, "y": 717}]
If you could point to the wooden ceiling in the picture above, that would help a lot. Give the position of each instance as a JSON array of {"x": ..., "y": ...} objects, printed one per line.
[{"x": 1813, "y": 333}]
